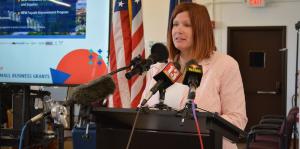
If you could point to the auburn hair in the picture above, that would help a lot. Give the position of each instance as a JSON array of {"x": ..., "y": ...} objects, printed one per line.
[{"x": 203, "y": 37}]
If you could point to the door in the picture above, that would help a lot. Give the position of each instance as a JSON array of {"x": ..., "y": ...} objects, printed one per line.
[{"x": 261, "y": 54}]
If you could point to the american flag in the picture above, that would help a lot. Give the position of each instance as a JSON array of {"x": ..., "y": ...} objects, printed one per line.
[{"x": 126, "y": 42}]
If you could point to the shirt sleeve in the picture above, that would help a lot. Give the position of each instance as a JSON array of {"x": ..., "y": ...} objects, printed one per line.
[{"x": 233, "y": 106}]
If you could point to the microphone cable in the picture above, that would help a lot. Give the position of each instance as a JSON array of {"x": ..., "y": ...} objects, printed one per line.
[
  {"x": 133, "y": 127},
  {"x": 197, "y": 124},
  {"x": 206, "y": 110},
  {"x": 22, "y": 134}
]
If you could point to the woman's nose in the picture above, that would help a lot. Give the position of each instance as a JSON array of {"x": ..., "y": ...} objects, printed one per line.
[{"x": 178, "y": 29}]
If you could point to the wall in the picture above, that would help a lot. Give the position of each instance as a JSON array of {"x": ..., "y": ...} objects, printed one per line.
[
  {"x": 155, "y": 19},
  {"x": 233, "y": 13}
]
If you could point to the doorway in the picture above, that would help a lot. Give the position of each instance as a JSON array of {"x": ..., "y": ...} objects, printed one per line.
[{"x": 262, "y": 58}]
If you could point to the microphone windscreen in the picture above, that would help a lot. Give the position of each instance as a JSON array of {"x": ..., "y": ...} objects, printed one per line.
[
  {"x": 159, "y": 53},
  {"x": 94, "y": 90},
  {"x": 193, "y": 73}
]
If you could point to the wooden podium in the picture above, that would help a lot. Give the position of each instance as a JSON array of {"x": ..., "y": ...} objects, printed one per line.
[{"x": 157, "y": 129}]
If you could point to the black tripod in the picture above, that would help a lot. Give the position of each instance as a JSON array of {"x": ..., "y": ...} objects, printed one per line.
[{"x": 297, "y": 26}]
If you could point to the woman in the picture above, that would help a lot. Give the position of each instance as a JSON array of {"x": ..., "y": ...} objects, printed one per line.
[{"x": 190, "y": 36}]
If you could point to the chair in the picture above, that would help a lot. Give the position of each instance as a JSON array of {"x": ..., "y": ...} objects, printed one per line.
[
  {"x": 269, "y": 123},
  {"x": 272, "y": 132}
]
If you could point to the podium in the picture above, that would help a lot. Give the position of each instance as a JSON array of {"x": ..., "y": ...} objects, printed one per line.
[{"x": 160, "y": 129}]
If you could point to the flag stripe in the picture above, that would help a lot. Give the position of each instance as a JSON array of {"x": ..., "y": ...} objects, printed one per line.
[
  {"x": 136, "y": 23},
  {"x": 135, "y": 102},
  {"x": 137, "y": 84},
  {"x": 123, "y": 57},
  {"x": 126, "y": 51},
  {"x": 113, "y": 66},
  {"x": 137, "y": 39}
]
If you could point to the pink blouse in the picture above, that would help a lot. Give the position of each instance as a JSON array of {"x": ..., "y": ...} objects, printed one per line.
[{"x": 221, "y": 90}]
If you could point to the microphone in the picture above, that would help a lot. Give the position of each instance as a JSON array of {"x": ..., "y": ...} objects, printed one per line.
[
  {"x": 168, "y": 76},
  {"x": 39, "y": 116},
  {"x": 159, "y": 53},
  {"x": 192, "y": 78},
  {"x": 85, "y": 94},
  {"x": 59, "y": 114},
  {"x": 297, "y": 25},
  {"x": 94, "y": 90},
  {"x": 56, "y": 111}
]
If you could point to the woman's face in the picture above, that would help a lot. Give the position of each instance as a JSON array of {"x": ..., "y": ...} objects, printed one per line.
[{"x": 182, "y": 34}]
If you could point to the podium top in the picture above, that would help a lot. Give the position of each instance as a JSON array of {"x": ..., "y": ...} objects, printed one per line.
[{"x": 166, "y": 121}]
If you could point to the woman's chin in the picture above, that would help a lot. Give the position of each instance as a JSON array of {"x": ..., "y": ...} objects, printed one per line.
[{"x": 181, "y": 48}]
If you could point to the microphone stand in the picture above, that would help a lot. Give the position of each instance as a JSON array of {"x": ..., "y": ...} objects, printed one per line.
[
  {"x": 84, "y": 114},
  {"x": 189, "y": 111},
  {"x": 297, "y": 26},
  {"x": 133, "y": 62},
  {"x": 118, "y": 70},
  {"x": 186, "y": 112},
  {"x": 161, "y": 105}
]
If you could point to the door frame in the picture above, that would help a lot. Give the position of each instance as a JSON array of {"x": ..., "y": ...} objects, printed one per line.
[{"x": 284, "y": 51}]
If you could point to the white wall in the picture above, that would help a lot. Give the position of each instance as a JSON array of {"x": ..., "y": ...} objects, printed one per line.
[
  {"x": 233, "y": 13},
  {"x": 155, "y": 19}
]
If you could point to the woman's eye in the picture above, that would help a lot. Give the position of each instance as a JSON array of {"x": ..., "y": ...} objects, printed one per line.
[{"x": 187, "y": 25}]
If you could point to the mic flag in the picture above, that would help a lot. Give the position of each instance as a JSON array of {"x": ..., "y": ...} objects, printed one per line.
[
  {"x": 193, "y": 74},
  {"x": 192, "y": 78},
  {"x": 159, "y": 53},
  {"x": 168, "y": 76},
  {"x": 97, "y": 89}
]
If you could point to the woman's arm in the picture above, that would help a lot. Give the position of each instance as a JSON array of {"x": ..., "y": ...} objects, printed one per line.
[{"x": 233, "y": 106}]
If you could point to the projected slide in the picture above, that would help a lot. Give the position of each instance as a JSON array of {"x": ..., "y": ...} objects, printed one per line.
[
  {"x": 43, "y": 17},
  {"x": 57, "y": 42}
]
